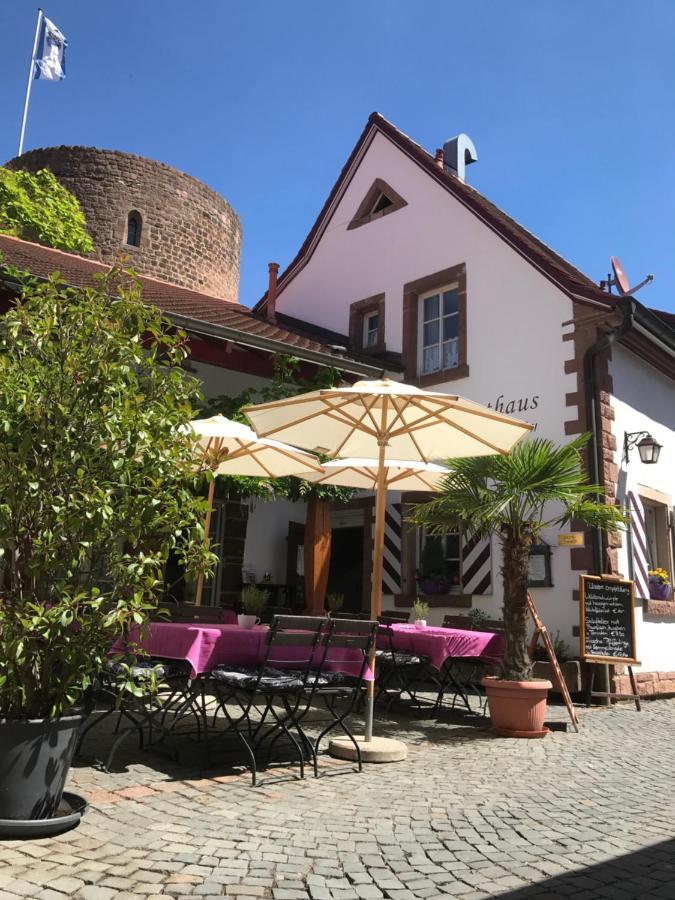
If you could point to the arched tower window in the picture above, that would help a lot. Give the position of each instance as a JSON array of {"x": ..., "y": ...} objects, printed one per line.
[{"x": 134, "y": 225}]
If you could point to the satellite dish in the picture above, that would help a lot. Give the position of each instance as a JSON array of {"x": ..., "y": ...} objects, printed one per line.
[{"x": 620, "y": 280}]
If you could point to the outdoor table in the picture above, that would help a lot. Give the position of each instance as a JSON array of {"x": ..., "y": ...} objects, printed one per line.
[
  {"x": 439, "y": 644},
  {"x": 443, "y": 648},
  {"x": 209, "y": 645}
]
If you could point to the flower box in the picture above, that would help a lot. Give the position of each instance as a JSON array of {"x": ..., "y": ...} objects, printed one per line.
[{"x": 659, "y": 590}]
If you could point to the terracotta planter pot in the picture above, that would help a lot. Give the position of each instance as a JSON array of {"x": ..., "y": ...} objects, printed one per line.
[{"x": 517, "y": 708}]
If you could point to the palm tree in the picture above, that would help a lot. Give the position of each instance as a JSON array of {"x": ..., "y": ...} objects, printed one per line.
[{"x": 536, "y": 486}]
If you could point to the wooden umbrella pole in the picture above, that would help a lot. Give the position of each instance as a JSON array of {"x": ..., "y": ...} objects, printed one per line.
[
  {"x": 376, "y": 587},
  {"x": 207, "y": 528}
]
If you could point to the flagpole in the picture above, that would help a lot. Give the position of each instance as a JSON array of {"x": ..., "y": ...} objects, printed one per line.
[{"x": 30, "y": 80}]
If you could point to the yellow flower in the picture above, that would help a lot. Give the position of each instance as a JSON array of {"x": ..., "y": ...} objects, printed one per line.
[{"x": 661, "y": 574}]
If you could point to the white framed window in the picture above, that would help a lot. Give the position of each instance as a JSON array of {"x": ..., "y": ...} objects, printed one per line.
[
  {"x": 658, "y": 534},
  {"x": 439, "y": 330},
  {"x": 371, "y": 329}
]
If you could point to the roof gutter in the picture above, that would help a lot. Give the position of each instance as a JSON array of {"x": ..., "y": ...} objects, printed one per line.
[
  {"x": 653, "y": 328},
  {"x": 332, "y": 360},
  {"x": 226, "y": 333}
]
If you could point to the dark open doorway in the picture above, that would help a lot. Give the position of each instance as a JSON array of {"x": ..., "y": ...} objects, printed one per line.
[{"x": 345, "y": 575}]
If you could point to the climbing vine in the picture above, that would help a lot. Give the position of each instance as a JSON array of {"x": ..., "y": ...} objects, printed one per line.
[{"x": 35, "y": 207}]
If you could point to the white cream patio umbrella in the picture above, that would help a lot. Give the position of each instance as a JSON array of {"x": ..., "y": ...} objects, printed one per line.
[
  {"x": 380, "y": 419},
  {"x": 232, "y": 448},
  {"x": 400, "y": 475}
]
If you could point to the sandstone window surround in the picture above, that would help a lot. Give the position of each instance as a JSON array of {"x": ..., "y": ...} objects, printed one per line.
[
  {"x": 134, "y": 229},
  {"x": 658, "y": 520},
  {"x": 455, "y": 364},
  {"x": 381, "y": 200},
  {"x": 366, "y": 325}
]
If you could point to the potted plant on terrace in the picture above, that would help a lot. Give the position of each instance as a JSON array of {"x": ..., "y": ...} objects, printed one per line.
[
  {"x": 570, "y": 668},
  {"x": 97, "y": 481},
  {"x": 515, "y": 496},
  {"x": 334, "y": 603},
  {"x": 253, "y": 602},
  {"x": 659, "y": 584},
  {"x": 420, "y": 611}
]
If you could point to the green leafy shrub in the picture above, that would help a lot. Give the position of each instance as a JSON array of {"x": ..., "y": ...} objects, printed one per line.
[
  {"x": 478, "y": 618},
  {"x": 97, "y": 482},
  {"x": 420, "y": 610},
  {"x": 560, "y": 647},
  {"x": 254, "y": 600},
  {"x": 35, "y": 207},
  {"x": 335, "y": 602}
]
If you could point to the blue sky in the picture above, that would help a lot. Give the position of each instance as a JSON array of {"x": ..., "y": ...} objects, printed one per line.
[{"x": 570, "y": 105}]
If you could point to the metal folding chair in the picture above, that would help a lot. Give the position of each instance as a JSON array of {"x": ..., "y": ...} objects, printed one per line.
[
  {"x": 280, "y": 690},
  {"x": 160, "y": 686},
  {"x": 333, "y": 686},
  {"x": 397, "y": 670}
]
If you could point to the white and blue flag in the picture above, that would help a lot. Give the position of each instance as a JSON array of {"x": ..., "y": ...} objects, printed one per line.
[{"x": 50, "y": 60}]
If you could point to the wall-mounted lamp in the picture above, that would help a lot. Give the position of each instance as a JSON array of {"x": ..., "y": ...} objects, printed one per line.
[{"x": 648, "y": 448}]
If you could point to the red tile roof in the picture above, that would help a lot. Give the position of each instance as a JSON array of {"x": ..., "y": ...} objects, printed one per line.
[
  {"x": 563, "y": 273},
  {"x": 170, "y": 298}
]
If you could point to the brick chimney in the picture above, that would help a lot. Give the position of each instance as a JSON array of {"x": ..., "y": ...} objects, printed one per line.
[
  {"x": 271, "y": 307},
  {"x": 438, "y": 158}
]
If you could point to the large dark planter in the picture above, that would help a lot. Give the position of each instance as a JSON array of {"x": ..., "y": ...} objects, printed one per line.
[
  {"x": 35, "y": 757},
  {"x": 571, "y": 671}
]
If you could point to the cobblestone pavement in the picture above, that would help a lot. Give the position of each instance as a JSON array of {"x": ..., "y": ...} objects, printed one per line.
[{"x": 468, "y": 815}]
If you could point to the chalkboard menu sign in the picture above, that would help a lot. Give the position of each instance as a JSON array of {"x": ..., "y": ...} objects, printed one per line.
[{"x": 607, "y": 619}]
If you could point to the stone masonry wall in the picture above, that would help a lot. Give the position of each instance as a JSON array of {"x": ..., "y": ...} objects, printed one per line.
[{"x": 190, "y": 235}]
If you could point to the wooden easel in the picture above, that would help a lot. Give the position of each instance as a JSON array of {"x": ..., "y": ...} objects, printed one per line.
[
  {"x": 612, "y": 695},
  {"x": 540, "y": 631}
]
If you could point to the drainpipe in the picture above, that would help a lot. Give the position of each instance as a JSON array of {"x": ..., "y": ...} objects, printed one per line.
[
  {"x": 604, "y": 343},
  {"x": 627, "y": 308}
]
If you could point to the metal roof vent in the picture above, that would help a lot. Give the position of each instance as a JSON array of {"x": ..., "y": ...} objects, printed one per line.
[{"x": 458, "y": 153}]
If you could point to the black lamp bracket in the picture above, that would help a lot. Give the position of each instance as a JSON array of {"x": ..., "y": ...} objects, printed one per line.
[{"x": 630, "y": 439}]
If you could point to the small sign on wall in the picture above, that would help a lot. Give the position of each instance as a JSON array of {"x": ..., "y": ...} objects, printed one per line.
[{"x": 572, "y": 539}]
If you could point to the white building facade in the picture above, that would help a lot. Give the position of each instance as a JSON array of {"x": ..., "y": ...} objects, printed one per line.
[{"x": 418, "y": 271}]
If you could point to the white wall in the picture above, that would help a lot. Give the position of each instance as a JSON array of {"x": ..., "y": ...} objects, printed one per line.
[
  {"x": 515, "y": 349},
  {"x": 644, "y": 400},
  {"x": 216, "y": 381},
  {"x": 266, "y": 544}
]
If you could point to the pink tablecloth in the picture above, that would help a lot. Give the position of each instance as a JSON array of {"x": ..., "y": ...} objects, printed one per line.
[
  {"x": 440, "y": 644},
  {"x": 207, "y": 646}
]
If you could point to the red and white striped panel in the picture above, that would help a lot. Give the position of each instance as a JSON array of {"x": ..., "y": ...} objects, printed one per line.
[{"x": 639, "y": 545}]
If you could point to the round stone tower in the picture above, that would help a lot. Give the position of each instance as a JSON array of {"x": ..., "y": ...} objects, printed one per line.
[{"x": 169, "y": 225}]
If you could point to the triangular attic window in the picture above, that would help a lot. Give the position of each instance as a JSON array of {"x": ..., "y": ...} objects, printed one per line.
[
  {"x": 381, "y": 203},
  {"x": 380, "y": 200}
]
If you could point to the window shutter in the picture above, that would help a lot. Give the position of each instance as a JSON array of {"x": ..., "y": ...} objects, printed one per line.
[
  {"x": 476, "y": 564},
  {"x": 391, "y": 562},
  {"x": 639, "y": 545}
]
